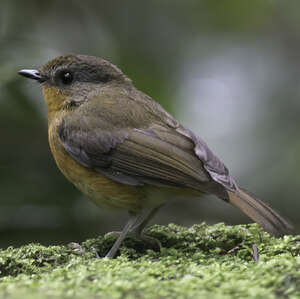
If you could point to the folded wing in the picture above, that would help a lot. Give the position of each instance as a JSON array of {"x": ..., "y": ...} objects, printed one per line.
[{"x": 157, "y": 155}]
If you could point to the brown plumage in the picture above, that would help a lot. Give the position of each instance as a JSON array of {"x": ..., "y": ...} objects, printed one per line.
[{"x": 123, "y": 150}]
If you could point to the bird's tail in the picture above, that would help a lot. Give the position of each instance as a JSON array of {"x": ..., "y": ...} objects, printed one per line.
[{"x": 260, "y": 212}]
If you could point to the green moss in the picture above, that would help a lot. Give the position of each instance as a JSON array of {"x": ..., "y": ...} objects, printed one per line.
[{"x": 197, "y": 262}]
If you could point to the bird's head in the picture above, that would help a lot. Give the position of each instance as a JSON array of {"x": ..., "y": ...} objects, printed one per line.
[{"x": 71, "y": 80}]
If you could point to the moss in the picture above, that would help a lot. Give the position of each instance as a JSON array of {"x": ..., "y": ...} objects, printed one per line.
[{"x": 197, "y": 262}]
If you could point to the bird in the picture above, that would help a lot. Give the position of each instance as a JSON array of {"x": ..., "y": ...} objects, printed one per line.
[{"x": 122, "y": 150}]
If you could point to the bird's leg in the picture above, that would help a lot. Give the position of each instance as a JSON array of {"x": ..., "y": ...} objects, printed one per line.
[
  {"x": 137, "y": 230},
  {"x": 135, "y": 225},
  {"x": 149, "y": 214},
  {"x": 131, "y": 222},
  {"x": 143, "y": 217}
]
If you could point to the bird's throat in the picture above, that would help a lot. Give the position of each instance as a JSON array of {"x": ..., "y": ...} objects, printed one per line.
[{"x": 55, "y": 101}]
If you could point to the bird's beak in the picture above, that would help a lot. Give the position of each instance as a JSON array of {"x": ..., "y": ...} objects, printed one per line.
[{"x": 32, "y": 74}]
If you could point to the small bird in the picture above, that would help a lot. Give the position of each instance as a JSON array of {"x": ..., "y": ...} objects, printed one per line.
[{"x": 123, "y": 150}]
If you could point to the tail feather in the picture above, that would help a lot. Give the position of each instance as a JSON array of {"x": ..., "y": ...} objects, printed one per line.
[{"x": 260, "y": 212}]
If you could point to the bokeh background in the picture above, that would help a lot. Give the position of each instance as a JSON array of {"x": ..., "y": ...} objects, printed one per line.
[{"x": 229, "y": 70}]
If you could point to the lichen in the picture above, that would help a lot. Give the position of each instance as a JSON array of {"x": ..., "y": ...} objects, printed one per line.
[{"x": 198, "y": 262}]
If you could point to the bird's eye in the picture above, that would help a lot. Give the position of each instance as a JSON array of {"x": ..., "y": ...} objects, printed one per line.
[{"x": 66, "y": 77}]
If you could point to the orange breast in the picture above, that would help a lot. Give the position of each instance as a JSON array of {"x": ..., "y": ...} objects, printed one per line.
[{"x": 100, "y": 189}]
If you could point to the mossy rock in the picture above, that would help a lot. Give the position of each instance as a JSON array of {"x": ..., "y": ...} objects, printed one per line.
[{"x": 202, "y": 261}]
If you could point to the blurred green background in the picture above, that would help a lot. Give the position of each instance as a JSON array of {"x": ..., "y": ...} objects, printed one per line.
[{"x": 229, "y": 70}]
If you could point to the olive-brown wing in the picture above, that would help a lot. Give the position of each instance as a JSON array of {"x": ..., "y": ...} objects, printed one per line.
[{"x": 158, "y": 156}]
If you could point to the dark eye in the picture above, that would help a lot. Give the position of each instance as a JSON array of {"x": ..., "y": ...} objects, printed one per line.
[{"x": 66, "y": 77}]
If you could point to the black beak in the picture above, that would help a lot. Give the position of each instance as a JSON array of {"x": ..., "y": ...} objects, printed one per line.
[{"x": 32, "y": 74}]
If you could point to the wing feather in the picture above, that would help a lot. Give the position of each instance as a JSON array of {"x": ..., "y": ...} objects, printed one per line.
[{"x": 136, "y": 156}]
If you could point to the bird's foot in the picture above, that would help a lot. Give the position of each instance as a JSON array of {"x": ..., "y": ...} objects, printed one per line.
[{"x": 150, "y": 241}]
